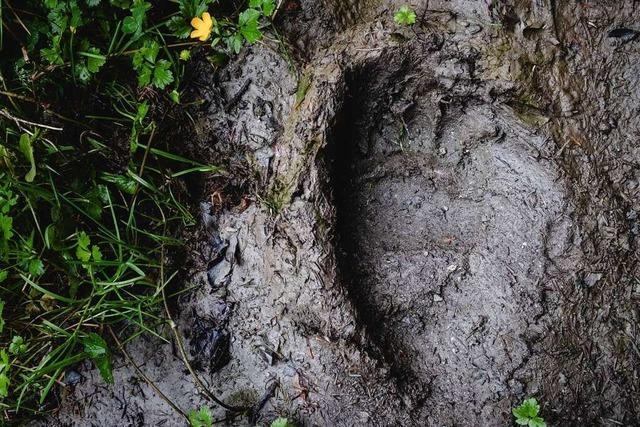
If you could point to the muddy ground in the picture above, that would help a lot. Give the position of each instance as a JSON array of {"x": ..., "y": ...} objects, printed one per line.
[{"x": 420, "y": 226}]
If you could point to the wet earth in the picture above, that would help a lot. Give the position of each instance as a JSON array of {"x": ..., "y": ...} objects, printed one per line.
[{"x": 420, "y": 226}]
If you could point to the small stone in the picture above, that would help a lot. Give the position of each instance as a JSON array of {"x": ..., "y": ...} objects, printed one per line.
[
  {"x": 72, "y": 377},
  {"x": 289, "y": 371},
  {"x": 562, "y": 379},
  {"x": 364, "y": 416},
  {"x": 452, "y": 268},
  {"x": 437, "y": 298},
  {"x": 591, "y": 279}
]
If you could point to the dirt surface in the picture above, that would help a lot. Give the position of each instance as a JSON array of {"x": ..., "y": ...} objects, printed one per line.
[{"x": 421, "y": 227}]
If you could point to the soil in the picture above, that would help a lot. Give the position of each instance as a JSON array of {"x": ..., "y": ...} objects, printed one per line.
[{"x": 419, "y": 226}]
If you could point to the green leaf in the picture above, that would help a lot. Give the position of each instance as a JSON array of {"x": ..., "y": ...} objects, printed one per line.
[
  {"x": 26, "y": 149},
  {"x": 96, "y": 60},
  {"x": 6, "y": 225},
  {"x": 96, "y": 254},
  {"x": 122, "y": 4},
  {"x": 50, "y": 236},
  {"x": 185, "y": 55},
  {"x": 123, "y": 182},
  {"x": 129, "y": 25},
  {"x": 36, "y": 267},
  {"x": 1, "y": 310},
  {"x": 106, "y": 370},
  {"x": 17, "y": 345},
  {"x": 4, "y": 385},
  {"x": 268, "y": 7},
  {"x": 162, "y": 76},
  {"x": 150, "y": 50},
  {"x": 248, "y": 25},
  {"x": 96, "y": 348},
  {"x": 83, "y": 239},
  {"x": 174, "y": 95},
  {"x": 58, "y": 19},
  {"x": 282, "y": 422},
  {"x": 92, "y": 3},
  {"x": 249, "y": 16},
  {"x": 537, "y": 422},
  {"x": 251, "y": 33},
  {"x": 82, "y": 250},
  {"x": 529, "y": 408},
  {"x": 179, "y": 27},
  {"x": 191, "y": 8},
  {"x": 527, "y": 414},
  {"x": 234, "y": 43},
  {"x": 141, "y": 112},
  {"x": 76, "y": 16},
  {"x": 133, "y": 24},
  {"x": 139, "y": 10},
  {"x": 201, "y": 418},
  {"x": 52, "y": 55},
  {"x": 4, "y": 373},
  {"x": 4, "y": 361},
  {"x": 7, "y": 201},
  {"x": 144, "y": 75},
  {"x": 94, "y": 345},
  {"x": 405, "y": 16}
]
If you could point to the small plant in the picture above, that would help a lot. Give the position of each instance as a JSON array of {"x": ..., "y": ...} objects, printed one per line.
[
  {"x": 17, "y": 346},
  {"x": 405, "y": 16},
  {"x": 201, "y": 418},
  {"x": 527, "y": 414},
  {"x": 282, "y": 422}
]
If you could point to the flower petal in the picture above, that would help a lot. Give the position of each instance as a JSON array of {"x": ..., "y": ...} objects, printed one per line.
[
  {"x": 206, "y": 18},
  {"x": 196, "y": 34},
  {"x": 204, "y": 37},
  {"x": 196, "y": 22}
]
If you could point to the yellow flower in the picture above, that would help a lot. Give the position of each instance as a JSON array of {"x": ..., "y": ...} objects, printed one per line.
[{"x": 202, "y": 27}]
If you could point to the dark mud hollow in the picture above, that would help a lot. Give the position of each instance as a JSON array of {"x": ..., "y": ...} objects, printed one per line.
[
  {"x": 447, "y": 211},
  {"x": 347, "y": 147}
]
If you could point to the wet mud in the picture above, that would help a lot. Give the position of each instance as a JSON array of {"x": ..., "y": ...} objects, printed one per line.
[
  {"x": 447, "y": 214},
  {"x": 419, "y": 226}
]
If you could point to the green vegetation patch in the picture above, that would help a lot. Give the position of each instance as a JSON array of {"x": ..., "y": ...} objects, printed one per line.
[
  {"x": 92, "y": 201},
  {"x": 527, "y": 414}
]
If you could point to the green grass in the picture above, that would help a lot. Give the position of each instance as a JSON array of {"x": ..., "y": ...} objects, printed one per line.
[{"x": 92, "y": 202}]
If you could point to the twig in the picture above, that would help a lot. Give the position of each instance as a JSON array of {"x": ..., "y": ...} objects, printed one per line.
[
  {"x": 18, "y": 121},
  {"x": 273, "y": 16},
  {"x": 183, "y": 353},
  {"x": 270, "y": 392},
  {"x": 18, "y": 17},
  {"x": 145, "y": 378},
  {"x": 236, "y": 98},
  {"x": 11, "y": 95}
]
